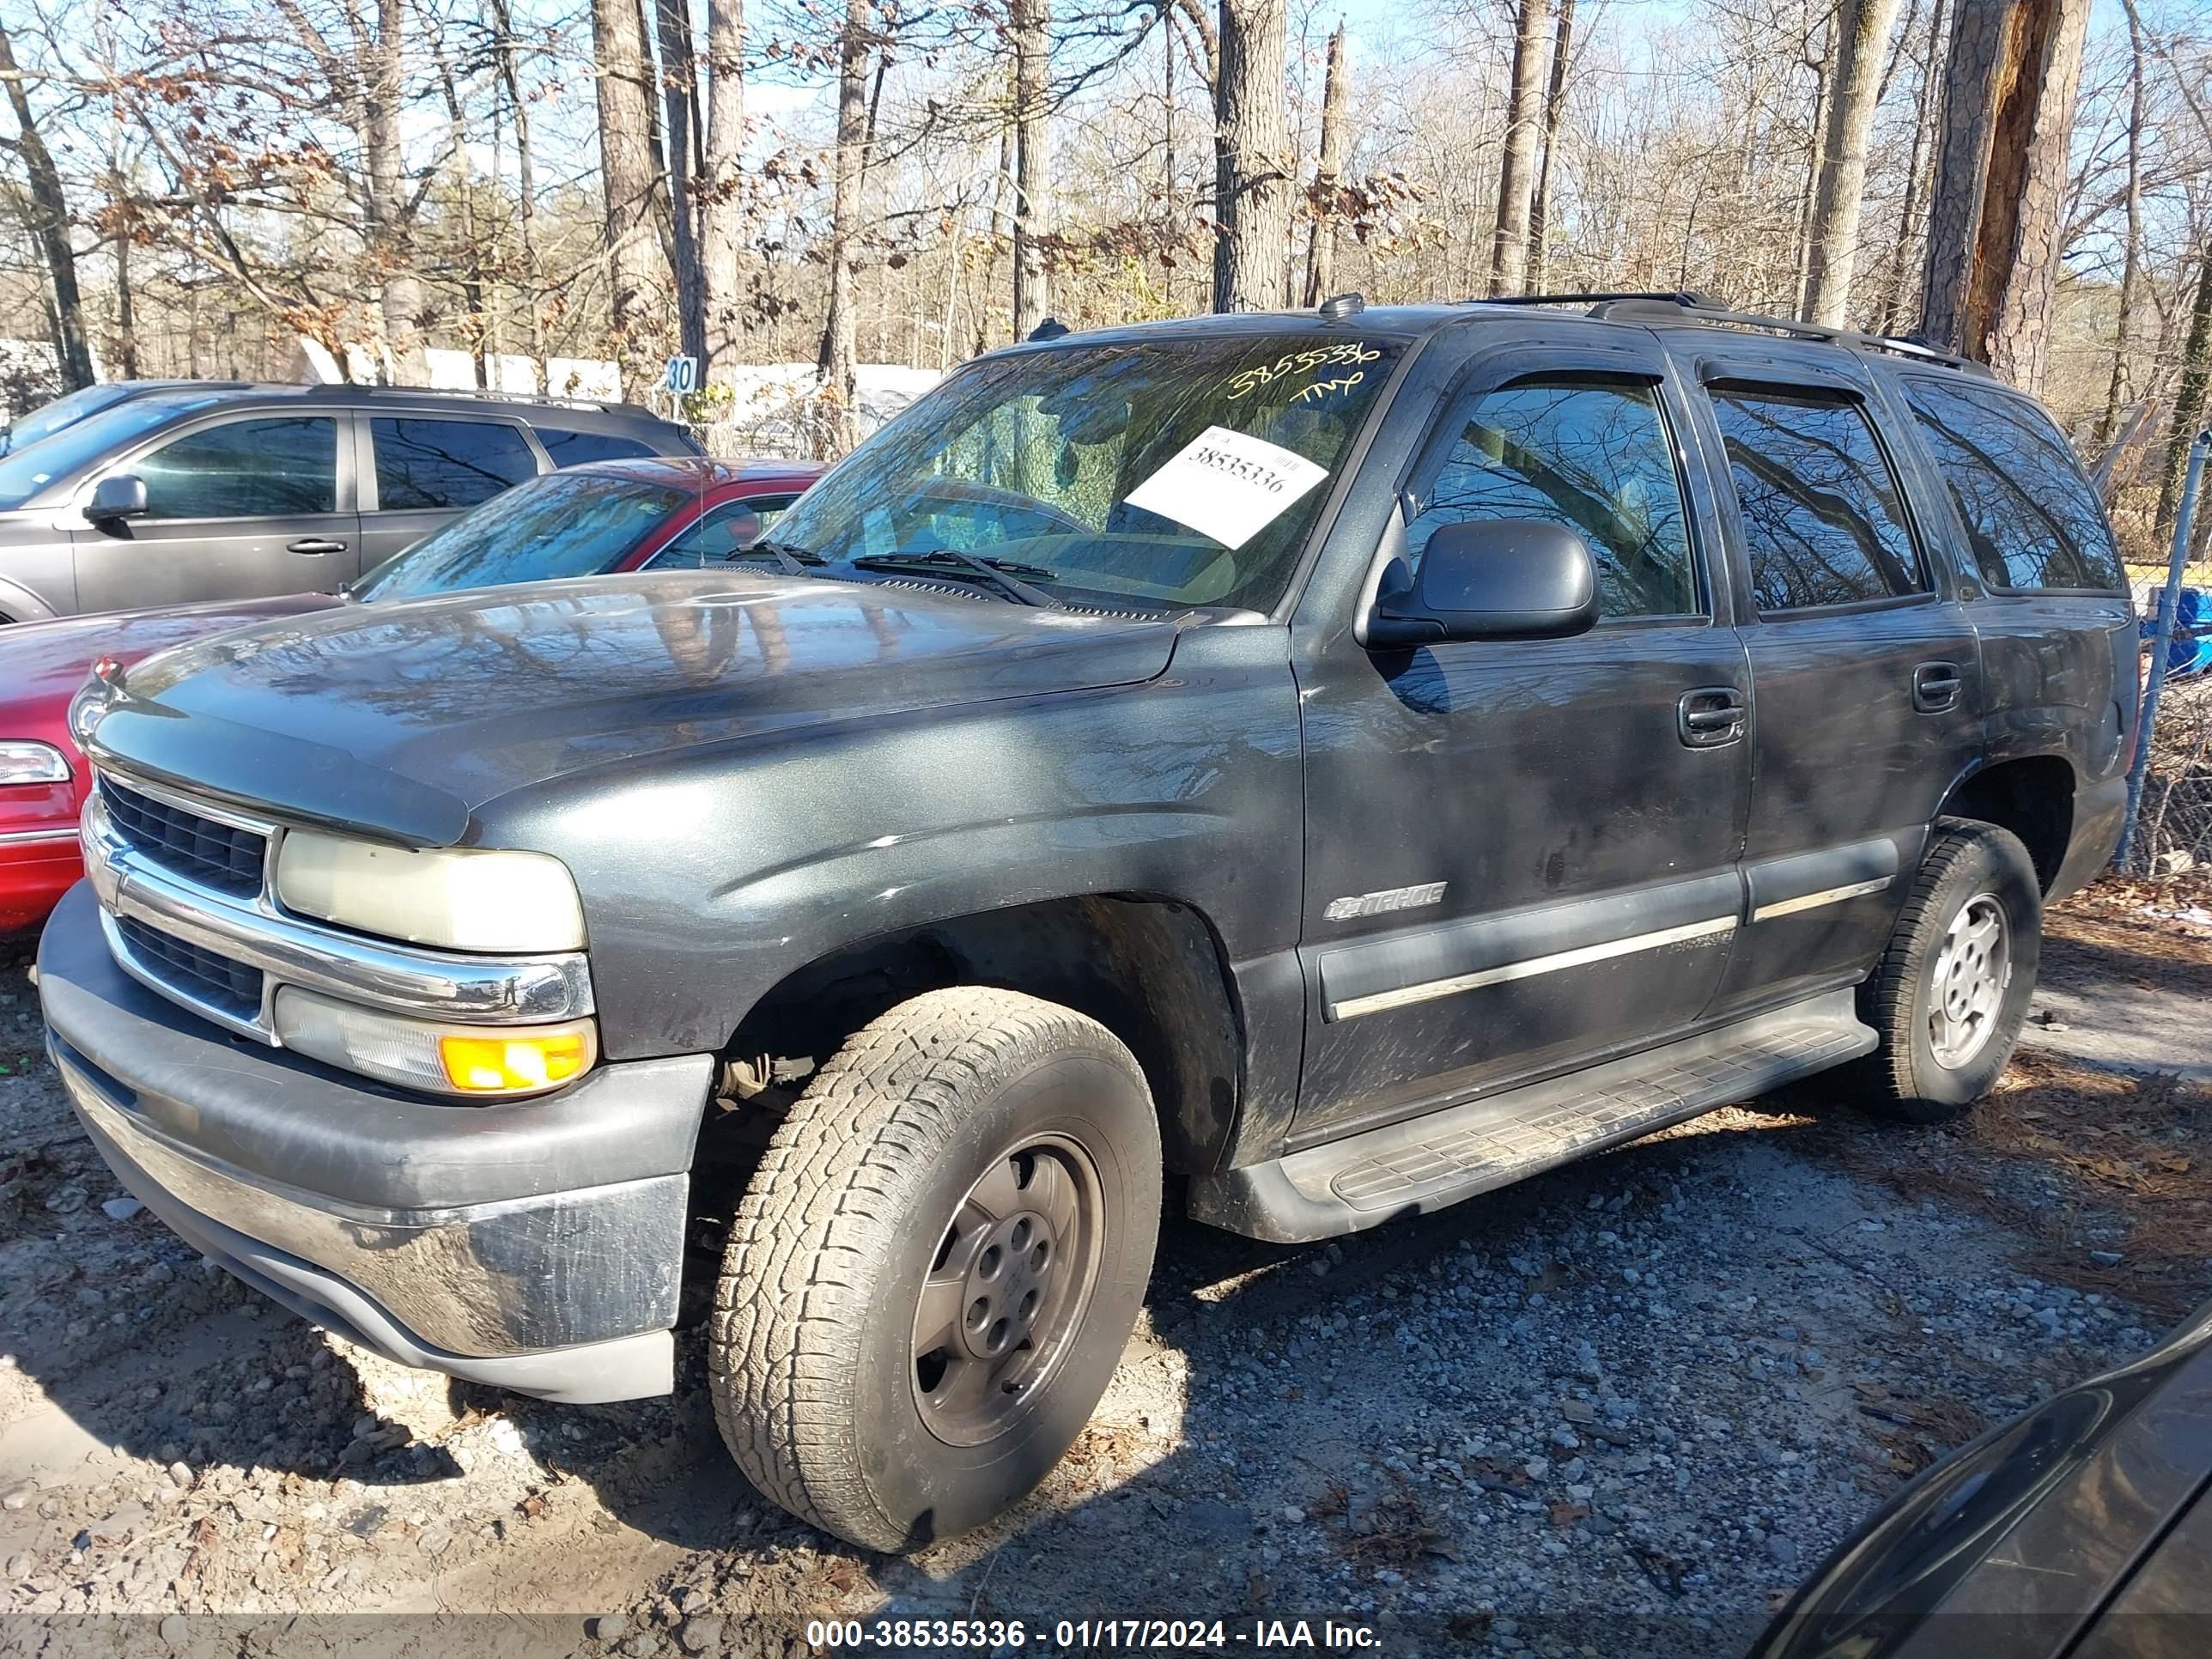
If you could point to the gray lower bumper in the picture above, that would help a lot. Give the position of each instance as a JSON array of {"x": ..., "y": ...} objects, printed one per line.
[{"x": 535, "y": 1245}]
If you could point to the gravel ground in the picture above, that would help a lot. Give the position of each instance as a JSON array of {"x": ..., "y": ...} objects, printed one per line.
[{"x": 1620, "y": 1409}]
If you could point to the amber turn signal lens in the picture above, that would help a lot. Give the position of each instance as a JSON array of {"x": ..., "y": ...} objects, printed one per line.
[{"x": 506, "y": 1064}]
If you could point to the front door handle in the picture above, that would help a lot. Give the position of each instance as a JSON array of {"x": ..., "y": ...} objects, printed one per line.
[
  {"x": 314, "y": 545},
  {"x": 1937, "y": 687},
  {"x": 1709, "y": 717}
]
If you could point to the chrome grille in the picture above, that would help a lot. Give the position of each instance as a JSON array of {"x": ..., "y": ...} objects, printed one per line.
[
  {"x": 202, "y": 849},
  {"x": 195, "y": 975}
]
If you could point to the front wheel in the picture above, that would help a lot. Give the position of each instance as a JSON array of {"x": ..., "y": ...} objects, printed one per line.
[
  {"x": 934, "y": 1271},
  {"x": 1951, "y": 992}
]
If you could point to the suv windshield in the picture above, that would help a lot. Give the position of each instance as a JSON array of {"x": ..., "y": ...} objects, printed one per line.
[
  {"x": 564, "y": 524},
  {"x": 64, "y": 410},
  {"x": 1151, "y": 474},
  {"x": 24, "y": 472}
]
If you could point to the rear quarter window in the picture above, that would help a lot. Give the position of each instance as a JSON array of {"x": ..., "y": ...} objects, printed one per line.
[{"x": 2033, "y": 521}]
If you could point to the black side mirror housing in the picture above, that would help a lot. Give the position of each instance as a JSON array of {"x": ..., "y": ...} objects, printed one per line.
[
  {"x": 118, "y": 496},
  {"x": 1496, "y": 578}
]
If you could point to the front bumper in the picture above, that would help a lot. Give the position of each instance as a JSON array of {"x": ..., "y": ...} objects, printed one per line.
[
  {"x": 36, "y": 868},
  {"x": 534, "y": 1245}
]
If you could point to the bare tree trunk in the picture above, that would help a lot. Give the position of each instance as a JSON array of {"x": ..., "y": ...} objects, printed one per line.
[
  {"x": 1900, "y": 254},
  {"x": 1032, "y": 162},
  {"x": 2116, "y": 394},
  {"x": 840, "y": 432},
  {"x": 1517, "y": 168},
  {"x": 679, "y": 88},
  {"x": 1832, "y": 248},
  {"x": 1555, "y": 100},
  {"x": 1994, "y": 224},
  {"x": 1252, "y": 183},
  {"x": 525, "y": 186},
  {"x": 2189, "y": 398},
  {"x": 391, "y": 241},
  {"x": 49, "y": 227},
  {"x": 1822, "y": 66},
  {"x": 637, "y": 266},
  {"x": 1329, "y": 173},
  {"x": 721, "y": 206}
]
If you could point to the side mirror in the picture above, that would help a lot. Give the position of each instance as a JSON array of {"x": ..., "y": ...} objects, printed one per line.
[
  {"x": 118, "y": 496},
  {"x": 1496, "y": 579}
]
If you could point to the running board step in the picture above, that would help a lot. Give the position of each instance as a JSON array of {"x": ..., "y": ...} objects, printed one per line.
[{"x": 1426, "y": 1163}]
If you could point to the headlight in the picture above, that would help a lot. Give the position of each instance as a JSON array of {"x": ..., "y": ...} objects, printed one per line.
[
  {"x": 461, "y": 899},
  {"x": 33, "y": 762},
  {"x": 464, "y": 1059}
]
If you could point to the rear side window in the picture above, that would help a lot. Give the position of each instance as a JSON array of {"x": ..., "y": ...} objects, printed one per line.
[
  {"x": 569, "y": 448},
  {"x": 245, "y": 470},
  {"x": 423, "y": 463},
  {"x": 2032, "y": 518},
  {"x": 1592, "y": 457},
  {"x": 1823, "y": 519}
]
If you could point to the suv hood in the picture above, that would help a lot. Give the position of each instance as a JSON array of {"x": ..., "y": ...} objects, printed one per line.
[
  {"x": 43, "y": 662},
  {"x": 401, "y": 719}
]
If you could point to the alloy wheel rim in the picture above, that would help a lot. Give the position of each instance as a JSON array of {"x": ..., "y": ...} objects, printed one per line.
[
  {"x": 1006, "y": 1290},
  {"x": 1966, "y": 989}
]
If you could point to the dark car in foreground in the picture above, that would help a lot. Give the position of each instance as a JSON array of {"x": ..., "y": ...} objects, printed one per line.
[
  {"x": 2078, "y": 1530},
  {"x": 609, "y": 516},
  {"x": 204, "y": 490},
  {"x": 1346, "y": 761}
]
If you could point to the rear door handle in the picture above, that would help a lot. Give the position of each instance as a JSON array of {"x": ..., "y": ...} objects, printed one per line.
[
  {"x": 1709, "y": 717},
  {"x": 314, "y": 545},
  {"x": 1937, "y": 687}
]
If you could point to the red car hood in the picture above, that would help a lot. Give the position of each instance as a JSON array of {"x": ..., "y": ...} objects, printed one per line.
[{"x": 43, "y": 664}]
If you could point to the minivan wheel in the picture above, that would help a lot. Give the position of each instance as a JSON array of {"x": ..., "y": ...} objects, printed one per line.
[
  {"x": 933, "y": 1273},
  {"x": 1951, "y": 992}
]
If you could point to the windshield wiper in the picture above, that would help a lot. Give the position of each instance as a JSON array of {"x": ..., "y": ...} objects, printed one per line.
[
  {"x": 791, "y": 560},
  {"x": 1000, "y": 572}
]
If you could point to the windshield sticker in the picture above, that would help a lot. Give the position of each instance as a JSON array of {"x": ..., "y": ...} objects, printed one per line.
[
  {"x": 1350, "y": 354},
  {"x": 1228, "y": 485}
]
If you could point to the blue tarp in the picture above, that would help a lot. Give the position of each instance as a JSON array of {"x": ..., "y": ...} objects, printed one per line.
[{"x": 2190, "y": 651}]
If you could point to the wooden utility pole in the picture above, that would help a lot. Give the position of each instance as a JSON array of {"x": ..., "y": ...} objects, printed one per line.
[
  {"x": 1994, "y": 222},
  {"x": 1328, "y": 174}
]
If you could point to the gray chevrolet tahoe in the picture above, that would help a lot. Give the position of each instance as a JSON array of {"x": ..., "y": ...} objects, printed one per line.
[
  {"x": 168, "y": 492},
  {"x": 1344, "y": 762}
]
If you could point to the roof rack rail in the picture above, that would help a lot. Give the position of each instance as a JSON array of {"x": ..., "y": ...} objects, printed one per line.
[
  {"x": 1691, "y": 308},
  {"x": 553, "y": 399},
  {"x": 1599, "y": 296}
]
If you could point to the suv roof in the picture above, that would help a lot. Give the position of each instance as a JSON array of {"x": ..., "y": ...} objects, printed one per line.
[{"x": 1639, "y": 309}]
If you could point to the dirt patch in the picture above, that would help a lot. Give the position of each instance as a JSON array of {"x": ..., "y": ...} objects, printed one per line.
[{"x": 2105, "y": 1169}]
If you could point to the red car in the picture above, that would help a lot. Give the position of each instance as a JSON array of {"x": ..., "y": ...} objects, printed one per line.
[{"x": 588, "y": 520}]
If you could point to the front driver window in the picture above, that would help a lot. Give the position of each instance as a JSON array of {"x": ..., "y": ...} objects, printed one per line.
[
  {"x": 264, "y": 468},
  {"x": 1592, "y": 457}
]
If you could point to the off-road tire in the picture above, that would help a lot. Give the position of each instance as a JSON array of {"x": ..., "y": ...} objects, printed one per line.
[
  {"x": 810, "y": 1343},
  {"x": 1903, "y": 1078}
]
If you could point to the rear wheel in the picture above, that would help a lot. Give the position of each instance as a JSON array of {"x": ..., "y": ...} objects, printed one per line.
[
  {"x": 933, "y": 1273},
  {"x": 1951, "y": 992}
]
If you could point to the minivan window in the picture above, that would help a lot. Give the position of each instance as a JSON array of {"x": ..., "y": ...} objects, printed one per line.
[
  {"x": 1823, "y": 517},
  {"x": 428, "y": 463},
  {"x": 2031, "y": 516},
  {"x": 1595, "y": 457},
  {"x": 30, "y": 468},
  {"x": 257, "y": 469},
  {"x": 568, "y": 448}
]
